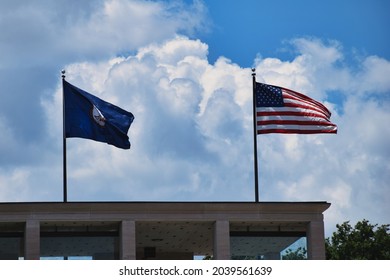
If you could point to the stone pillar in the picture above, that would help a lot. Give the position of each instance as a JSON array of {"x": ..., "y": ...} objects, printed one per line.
[
  {"x": 221, "y": 240},
  {"x": 32, "y": 240},
  {"x": 127, "y": 244},
  {"x": 316, "y": 240}
]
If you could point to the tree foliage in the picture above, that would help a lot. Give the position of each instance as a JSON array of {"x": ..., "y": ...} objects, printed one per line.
[
  {"x": 364, "y": 241},
  {"x": 298, "y": 254}
]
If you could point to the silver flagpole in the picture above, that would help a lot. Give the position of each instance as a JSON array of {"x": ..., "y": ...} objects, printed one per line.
[
  {"x": 64, "y": 139},
  {"x": 255, "y": 137}
]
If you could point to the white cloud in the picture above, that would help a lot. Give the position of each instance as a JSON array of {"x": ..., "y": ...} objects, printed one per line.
[
  {"x": 192, "y": 134},
  {"x": 351, "y": 169},
  {"x": 374, "y": 76},
  {"x": 175, "y": 145},
  {"x": 123, "y": 25},
  {"x": 13, "y": 184},
  {"x": 51, "y": 33},
  {"x": 38, "y": 38}
]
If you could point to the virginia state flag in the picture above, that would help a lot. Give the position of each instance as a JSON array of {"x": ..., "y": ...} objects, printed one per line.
[{"x": 87, "y": 116}]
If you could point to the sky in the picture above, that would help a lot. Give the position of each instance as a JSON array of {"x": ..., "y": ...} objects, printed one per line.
[{"x": 183, "y": 68}]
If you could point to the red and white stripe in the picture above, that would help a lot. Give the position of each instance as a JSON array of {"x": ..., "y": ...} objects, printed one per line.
[{"x": 300, "y": 114}]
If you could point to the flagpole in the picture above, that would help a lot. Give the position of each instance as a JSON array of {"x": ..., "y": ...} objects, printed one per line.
[
  {"x": 64, "y": 140},
  {"x": 255, "y": 137}
]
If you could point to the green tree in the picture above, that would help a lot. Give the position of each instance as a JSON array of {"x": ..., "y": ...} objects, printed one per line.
[
  {"x": 362, "y": 242},
  {"x": 298, "y": 254}
]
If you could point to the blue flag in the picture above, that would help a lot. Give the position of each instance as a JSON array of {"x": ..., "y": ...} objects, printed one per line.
[{"x": 87, "y": 116}]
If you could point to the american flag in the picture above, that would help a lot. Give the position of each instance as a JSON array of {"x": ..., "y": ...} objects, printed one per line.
[{"x": 281, "y": 110}]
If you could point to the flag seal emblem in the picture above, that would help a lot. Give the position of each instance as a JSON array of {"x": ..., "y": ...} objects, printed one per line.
[{"x": 97, "y": 116}]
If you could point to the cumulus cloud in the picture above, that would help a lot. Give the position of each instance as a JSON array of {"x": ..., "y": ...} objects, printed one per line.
[
  {"x": 350, "y": 169},
  {"x": 13, "y": 184},
  {"x": 47, "y": 32},
  {"x": 192, "y": 134},
  {"x": 178, "y": 148},
  {"x": 38, "y": 38},
  {"x": 374, "y": 76}
]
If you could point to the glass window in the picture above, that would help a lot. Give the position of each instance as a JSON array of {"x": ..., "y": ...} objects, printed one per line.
[
  {"x": 268, "y": 240},
  {"x": 80, "y": 241},
  {"x": 11, "y": 241}
]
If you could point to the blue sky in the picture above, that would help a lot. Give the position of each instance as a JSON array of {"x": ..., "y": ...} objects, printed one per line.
[
  {"x": 183, "y": 68},
  {"x": 243, "y": 29}
]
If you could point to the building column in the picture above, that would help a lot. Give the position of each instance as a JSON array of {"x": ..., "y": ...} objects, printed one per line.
[
  {"x": 127, "y": 244},
  {"x": 221, "y": 240},
  {"x": 32, "y": 240},
  {"x": 316, "y": 240}
]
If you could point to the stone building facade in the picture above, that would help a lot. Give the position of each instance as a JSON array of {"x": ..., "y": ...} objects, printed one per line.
[{"x": 160, "y": 230}]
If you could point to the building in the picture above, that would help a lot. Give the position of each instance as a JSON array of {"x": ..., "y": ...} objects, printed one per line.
[{"x": 159, "y": 230}]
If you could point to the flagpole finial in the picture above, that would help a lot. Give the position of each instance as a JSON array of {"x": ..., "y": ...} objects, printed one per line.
[
  {"x": 63, "y": 73},
  {"x": 253, "y": 71}
]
